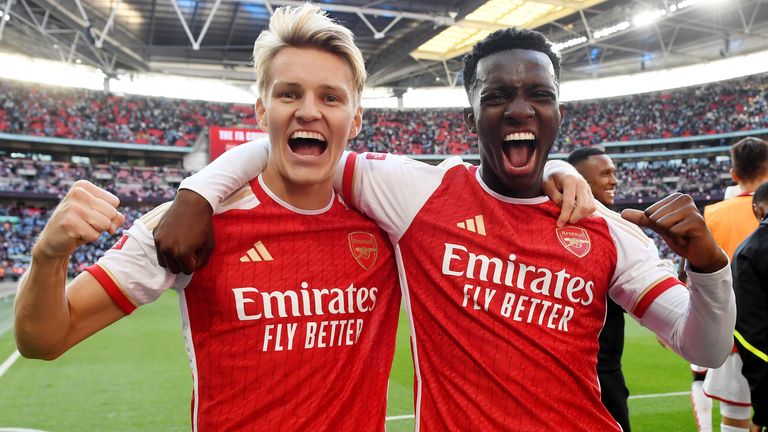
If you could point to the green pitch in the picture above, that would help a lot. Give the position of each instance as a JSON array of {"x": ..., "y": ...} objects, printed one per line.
[{"x": 134, "y": 376}]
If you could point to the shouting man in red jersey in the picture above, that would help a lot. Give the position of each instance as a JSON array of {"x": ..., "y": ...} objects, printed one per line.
[{"x": 505, "y": 303}]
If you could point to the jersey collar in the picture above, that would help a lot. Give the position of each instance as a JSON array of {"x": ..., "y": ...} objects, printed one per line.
[{"x": 504, "y": 198}]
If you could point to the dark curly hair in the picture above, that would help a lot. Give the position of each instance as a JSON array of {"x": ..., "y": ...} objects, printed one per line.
[
  {"x": 581, "y": 154},
  {"x": 749, "y": 157},
  {"x": 507, "y": 39}
]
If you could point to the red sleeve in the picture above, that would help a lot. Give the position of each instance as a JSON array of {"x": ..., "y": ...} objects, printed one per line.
[{"x": 111, "y": 289}]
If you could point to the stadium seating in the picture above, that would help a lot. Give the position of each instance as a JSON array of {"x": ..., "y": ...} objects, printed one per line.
[
  {"x": 20, "y": 226},
  {"x": 38, "y": 179},
  {"x": 90, "y": 115},
  {"x": 735, "y": 105},
  {"x": 36, "y": 110}
]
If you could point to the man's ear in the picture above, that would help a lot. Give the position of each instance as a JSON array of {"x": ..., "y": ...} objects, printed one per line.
[
  {"x": 261, "y": 115},
  {"x": 357, "y": 123},
  {"x": 561, "y": 108},
  {"x": 469, "y": 119},
  {"x": 734, "y": 176},
  {"x": 758, "y": 211}
]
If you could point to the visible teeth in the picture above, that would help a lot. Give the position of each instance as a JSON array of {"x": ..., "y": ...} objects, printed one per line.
[
  {"x": 519, "y": 136},
  {"x": 308, "y": 134}
]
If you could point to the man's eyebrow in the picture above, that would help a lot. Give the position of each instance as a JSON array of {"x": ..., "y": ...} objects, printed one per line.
[
  {"x": 288, "y": 84},
  {"x": 300, "y": 85},
  {"x": 332, "y": 87}
]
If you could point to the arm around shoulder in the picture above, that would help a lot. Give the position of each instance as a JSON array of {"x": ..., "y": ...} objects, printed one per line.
[{"x": 229, "y": 172}]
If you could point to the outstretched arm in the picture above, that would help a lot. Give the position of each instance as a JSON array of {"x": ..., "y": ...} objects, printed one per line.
[
  {"x": 186, "y": 248},
  {"x": 697, "y": 323},
  {"x": 229, "y": 172},
  {"x": 49, "y": 317}
]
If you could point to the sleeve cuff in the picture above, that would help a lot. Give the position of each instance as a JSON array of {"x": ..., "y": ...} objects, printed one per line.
[
  {"x": 110, "y": 287},
  {"x": 558, "y": 166},
  {"x": 707, "y": 279},
  {"x": 189, "y": 184}
]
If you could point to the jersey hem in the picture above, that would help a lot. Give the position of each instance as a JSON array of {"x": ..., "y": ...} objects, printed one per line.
[{"x": 741, "y": 404}]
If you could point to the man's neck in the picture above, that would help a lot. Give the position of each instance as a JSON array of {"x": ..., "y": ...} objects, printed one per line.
[
  {"x": 522, "y": 192},
  {"x": 302, "y": 196},
  {"x": 747, "y": 186}
]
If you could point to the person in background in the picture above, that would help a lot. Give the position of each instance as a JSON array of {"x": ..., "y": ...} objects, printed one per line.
[
  {"x": 599, "y": 171},
  {"x": 731, "y": 221},
  {"x": 750, "y": 283}
]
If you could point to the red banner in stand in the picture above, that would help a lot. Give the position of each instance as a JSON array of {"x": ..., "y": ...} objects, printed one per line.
[{"x": 221, "y": 139}]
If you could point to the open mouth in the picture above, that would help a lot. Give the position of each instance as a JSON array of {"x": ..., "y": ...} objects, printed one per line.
[
  {"x": 307, "y": 144},
  {"x": 519, "y": 148}
]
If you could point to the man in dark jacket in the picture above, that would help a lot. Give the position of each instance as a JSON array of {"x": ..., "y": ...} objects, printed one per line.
[
  {"x": 750, "y": 281},
  {"x": 600, "y": 173}
]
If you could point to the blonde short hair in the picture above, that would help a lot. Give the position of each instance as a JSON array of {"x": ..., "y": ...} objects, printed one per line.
[{"x": 306, "y": 26}]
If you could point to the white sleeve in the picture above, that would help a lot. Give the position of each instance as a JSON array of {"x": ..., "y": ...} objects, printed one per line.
[
  {"x": 132, "y": 264},
  {"x": 229, "y": 172},
  {"x": 558, "y": 166},
  {"x": 697, "y": 324},
  {"x": 390, "y": 189}
]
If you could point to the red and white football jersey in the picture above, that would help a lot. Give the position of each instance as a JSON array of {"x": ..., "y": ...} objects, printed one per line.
[
  {"x": 290, "y": 327},
  {"x": 505, "y": 307}
]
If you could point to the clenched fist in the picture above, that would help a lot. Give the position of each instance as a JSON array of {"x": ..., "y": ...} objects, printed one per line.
[
  {"x": 84, "y": 213},
  {"x": 677, "y": 220}
]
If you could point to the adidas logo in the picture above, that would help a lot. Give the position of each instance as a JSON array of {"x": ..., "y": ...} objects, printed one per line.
[
  {"x": 257, "y": 253},
  {"x": 475, "y": 225}
]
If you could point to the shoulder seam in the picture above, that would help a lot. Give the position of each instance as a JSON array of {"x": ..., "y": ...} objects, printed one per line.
[
  {"x": 154, "y": 216},
  {"x": 237, "y": 196},
  {"x": 626, "y": 225}
]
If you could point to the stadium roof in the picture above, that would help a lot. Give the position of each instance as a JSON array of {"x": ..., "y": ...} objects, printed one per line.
[{"x": 214, "y": 38}]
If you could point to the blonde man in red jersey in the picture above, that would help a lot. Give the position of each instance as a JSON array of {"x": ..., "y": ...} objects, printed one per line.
[
  {"x": 292, "y": 325},
  {"x": 731, "y": 222}
]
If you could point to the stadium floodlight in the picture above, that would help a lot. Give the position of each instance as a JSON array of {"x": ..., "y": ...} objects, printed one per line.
[
  {"x": 684, "y": 4},
  {"x": 173, "y": 86},
  {"x": 603, "y": 32},
  {"x": 648, "y": 17},
  {"x": 684, "y": 76},
  {"x": 23, "y": 68},
  {"x": 569, "y": 43}
]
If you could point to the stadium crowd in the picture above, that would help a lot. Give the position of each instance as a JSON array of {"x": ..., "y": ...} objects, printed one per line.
[
  {"x": 739, "y": 104},
  {"x": 19, "y": 227},
  {"x": 640, "y": 181},
  {"x": 134, "y": 183},
  {"x": 647, "y": 181},
  {"x": 97, "y": 116}
]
